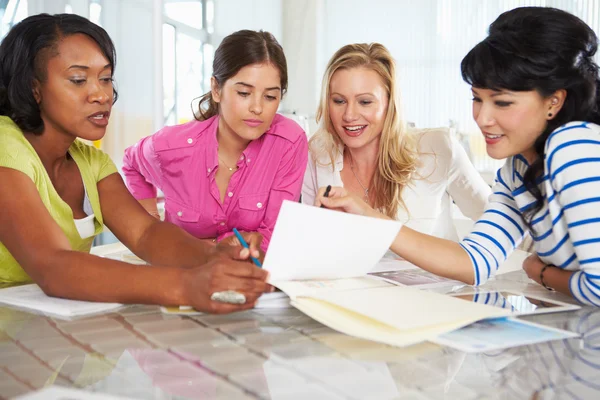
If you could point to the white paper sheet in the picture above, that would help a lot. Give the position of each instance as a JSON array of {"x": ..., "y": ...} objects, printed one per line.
[
  {"x": 392, "y": 264},
  {"x": 417, "y": 278},
  {"x": 315, "y": 243},
  {"x": 499, "y": 334},
  {"x": 31, "y": 297},
  {"x": 62, "y": 393},
  {"x": 117, "y": 251},
  {"x": 316, "y": 287}
]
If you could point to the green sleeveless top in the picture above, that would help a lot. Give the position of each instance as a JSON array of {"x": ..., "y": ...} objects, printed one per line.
[{"x": 94, "y": 165}]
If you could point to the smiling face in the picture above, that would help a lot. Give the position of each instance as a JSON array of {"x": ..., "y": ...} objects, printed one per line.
[
  {"x": 76, "y": 96},
  {"x": 358, "y": 102},
  {"x": 249, "y": 100},
  {"x": 512, "y": 121}
]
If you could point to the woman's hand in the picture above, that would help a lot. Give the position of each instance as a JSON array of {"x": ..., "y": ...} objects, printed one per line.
[
  {"x": 342, "y": 200},
  {"x": 533, "y": 267},
  {"x": 232, "y": 248},
  {"x": 221, "y": 274}
]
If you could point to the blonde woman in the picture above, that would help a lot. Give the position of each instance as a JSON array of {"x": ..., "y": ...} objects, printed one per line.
[
  {"x": 362, "y": 145},
  {"x": 536, "y": 99}
]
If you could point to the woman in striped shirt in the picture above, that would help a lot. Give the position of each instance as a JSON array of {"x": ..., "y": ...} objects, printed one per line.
[{"x": 536, "y": 99}]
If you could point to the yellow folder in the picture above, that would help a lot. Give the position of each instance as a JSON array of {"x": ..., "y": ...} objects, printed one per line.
[{"x": 374, "y": 310}]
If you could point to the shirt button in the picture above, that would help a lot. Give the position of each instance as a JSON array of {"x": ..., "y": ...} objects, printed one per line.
[
  {"x": 179, "y": 213},
  {"x": 209, "y": 170},
  {"x": 248, "y": 160},
  {"x": 230, "y": 194},
  {"x": 242, "y": 157},
  {"x": 190, "y": 140},
  {"x": 259, "y": 205},
  {"x": 222, "y": 223}
]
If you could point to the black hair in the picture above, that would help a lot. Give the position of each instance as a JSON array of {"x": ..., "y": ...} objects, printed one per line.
[
  {"x": 546, "y": 50},
  {"x": 24, "y": 55},
  {"x": 242, "y": 48}
]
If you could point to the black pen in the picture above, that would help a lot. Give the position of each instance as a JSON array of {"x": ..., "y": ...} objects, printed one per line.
[{"x": 326, "y": 194}]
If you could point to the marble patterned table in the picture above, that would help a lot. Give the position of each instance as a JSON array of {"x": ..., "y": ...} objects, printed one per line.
[{"x": 138, "y": 352}]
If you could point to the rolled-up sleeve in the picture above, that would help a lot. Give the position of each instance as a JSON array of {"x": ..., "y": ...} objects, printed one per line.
[{"x": 141, "y": 169}]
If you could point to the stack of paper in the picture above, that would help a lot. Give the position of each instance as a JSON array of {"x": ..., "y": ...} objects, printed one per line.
[
  {"x": 320, "y": 258},
  {"x": 273, "y": 300},
  {"x": 394, "y": 315},
  {"x": 32, "y": 298}
]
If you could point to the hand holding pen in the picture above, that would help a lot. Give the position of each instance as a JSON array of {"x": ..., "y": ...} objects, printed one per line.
[
  {"x": 234, "y": 296},
  {"x": 338, "y": 198},
  {"x": 326, "y": 194},
  {"x": 245, "y": 245},
  {"x": 231, "y": 247}
]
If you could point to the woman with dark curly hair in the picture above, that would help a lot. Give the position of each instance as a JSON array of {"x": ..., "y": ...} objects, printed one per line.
[
  {"x": 57, "y": 193},
  {"x": 536, "y": 100}
]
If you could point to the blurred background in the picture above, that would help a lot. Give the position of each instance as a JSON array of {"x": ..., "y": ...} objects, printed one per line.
[{"x": 165, "y": 48}]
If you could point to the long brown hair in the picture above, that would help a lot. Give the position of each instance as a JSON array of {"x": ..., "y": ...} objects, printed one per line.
[
  {"x": 397, "y": 158},
  {"x": 236, "y": 51}
]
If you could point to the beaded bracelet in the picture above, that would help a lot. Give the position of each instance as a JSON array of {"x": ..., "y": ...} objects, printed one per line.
[{"x": 542, "y": 277}]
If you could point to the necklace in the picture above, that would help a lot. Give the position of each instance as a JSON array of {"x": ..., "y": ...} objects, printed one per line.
[
  {"x": 227, "y": 166},
  {"x": 365, "y": 189}
]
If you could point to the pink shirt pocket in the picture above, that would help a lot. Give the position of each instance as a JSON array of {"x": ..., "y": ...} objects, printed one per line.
[
  {"x": 251, "y": 212},
  {"x": 184, "y": 217}
]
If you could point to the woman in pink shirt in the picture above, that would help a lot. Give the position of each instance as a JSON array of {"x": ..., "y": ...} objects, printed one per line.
[{"x": 238, "y": 161}]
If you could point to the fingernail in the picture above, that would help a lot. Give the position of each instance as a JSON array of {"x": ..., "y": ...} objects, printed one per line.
[
  {"x": 272, "y": 289},
  {"x": 255, "y": 253},
  {"x": 244, "y": 253}
]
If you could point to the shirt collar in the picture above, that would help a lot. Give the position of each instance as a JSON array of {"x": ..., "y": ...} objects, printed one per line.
[
  {"x": 277, "y": 128},
  {"x": 212, "y": 146},
  {"x": 323, "y": 161}
]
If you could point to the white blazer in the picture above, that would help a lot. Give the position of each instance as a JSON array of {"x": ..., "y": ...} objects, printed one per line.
[{"x": 444, "y": 174}]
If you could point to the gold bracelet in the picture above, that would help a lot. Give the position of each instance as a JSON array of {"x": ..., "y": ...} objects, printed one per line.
[{"x": 542, "y": 277}]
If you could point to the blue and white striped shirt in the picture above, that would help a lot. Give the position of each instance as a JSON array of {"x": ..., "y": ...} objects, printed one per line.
[{"x": 566, "y": 231}]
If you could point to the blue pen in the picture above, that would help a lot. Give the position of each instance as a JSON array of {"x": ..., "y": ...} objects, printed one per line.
[{"x": 243, "y": 242}]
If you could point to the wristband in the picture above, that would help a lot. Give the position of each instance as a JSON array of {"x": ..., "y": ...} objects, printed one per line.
[{"x": 542, "y": 277}]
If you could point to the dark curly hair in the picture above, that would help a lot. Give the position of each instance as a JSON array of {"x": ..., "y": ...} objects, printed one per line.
[
  {"x": 24, "y": 54},
  {"x": 542, "y": 49}
]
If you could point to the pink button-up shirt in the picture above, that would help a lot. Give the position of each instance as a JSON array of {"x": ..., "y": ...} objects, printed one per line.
[{"x": 182, "y": 161}]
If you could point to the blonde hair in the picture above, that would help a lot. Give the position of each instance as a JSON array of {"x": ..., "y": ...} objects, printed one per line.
[{"x": 396, "y": 161}]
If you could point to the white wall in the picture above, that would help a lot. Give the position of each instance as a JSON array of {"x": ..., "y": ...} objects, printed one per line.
[
  {"x": 133, "y": 116},
  {"x": 233, "y": 15},
  {"x": 427, "y": 38},
  {"x": 303, "y": 45}
]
